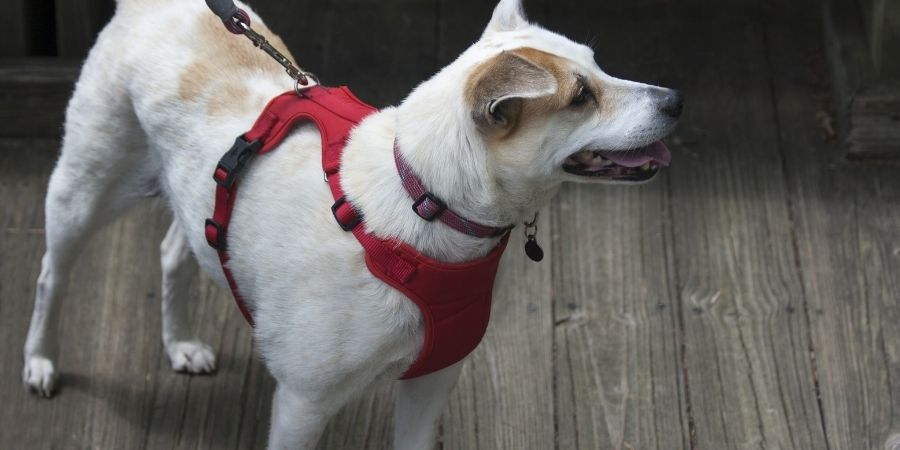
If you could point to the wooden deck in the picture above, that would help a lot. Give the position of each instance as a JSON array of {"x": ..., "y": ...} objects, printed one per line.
[{"x": 749, "y": 298}]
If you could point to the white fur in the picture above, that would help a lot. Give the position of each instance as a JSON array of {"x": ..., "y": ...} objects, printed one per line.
[{"x": 327, "y": 329}]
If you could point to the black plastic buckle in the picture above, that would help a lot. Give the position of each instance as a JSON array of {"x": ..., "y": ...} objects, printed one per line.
[
  {"x": 429, "y": 196},
  {"x": 219, "y": 243},
  {"x": 234, "y": 161},
  {"x": 348, "y": 226}
]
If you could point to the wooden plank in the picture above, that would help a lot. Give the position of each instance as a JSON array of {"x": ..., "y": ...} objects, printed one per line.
[
  {"x": 77, "y": 24},
  {"x": 15, "y": 33},
  {"x": 23, "y": 179},
  {"x": 206, "y": 411},
  {"x": 617, "y": 371},
  {"x": 869, "y": 128},
  {"x": 505, "y": 396},
  {"x": 124, "y": 363},
  {"x": 747, "y": 364},
  {"x": 847, "y": 250},
  {"x": 618, "y": 377},
  {"x": 33, "y": 96},
  {"x": 875, "y": 122},
  {"x": 881, "y": 21},
  {"x": 102, "y": 374}
]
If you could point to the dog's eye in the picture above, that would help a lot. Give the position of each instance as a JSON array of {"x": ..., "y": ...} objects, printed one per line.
[{"x": 581, "y": 97}]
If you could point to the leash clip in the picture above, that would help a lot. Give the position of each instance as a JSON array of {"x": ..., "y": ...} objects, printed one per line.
[{"x": 239, "y": 23}]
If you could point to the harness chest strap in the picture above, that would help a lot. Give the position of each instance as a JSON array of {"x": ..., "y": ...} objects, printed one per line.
[{"x": 454, "y": 299}]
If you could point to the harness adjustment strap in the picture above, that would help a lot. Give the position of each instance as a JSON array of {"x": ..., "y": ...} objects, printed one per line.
[
  {"x": 233, "y": 162},
  {"x": 345, "y": 215}
]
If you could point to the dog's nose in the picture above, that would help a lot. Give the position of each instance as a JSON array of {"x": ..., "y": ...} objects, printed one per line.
[{"x": 672, "y": 104}]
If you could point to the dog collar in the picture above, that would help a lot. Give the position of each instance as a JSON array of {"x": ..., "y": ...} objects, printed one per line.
[{"x": 430, "y": 207}]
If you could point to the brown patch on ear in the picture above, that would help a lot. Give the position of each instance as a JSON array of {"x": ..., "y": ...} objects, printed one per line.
[
  {"x": 221, "y": 63},
  {"x": 496, "y": 89},
  {"x": 498, "y": 73}
]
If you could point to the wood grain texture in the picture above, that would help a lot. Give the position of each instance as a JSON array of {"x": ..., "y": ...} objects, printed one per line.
[
  {"x": 847, "y": 228},
  {"x": 875, "y": 122},
  {"x": 618, "y": 377},
  {"x": 617, "y": 363},
  {"x": 33, "y": 96},
  {"x": 504, "y": 398},
  {"x": 746, "y": 355}
]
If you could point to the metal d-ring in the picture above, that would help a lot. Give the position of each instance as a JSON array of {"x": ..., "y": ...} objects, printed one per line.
[
  {"x": 532, "y": 225},
  {"x": 302, "y": 82}
]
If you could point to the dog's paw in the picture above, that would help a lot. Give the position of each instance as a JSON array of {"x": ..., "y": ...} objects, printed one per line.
[
  {"x": 39, "y": 375},
  {"x": 191, "y": 356}
]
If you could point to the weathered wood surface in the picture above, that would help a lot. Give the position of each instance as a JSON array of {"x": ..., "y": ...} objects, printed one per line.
[
  {"x": 881, "y": 20},
  {"x": 862, "y": 41},
  {"x": 749, "y": 298},
  {"x": 33, "y": 95},
  {"x": 847, "y": 228}
]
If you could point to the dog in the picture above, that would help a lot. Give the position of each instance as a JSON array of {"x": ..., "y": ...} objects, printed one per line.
[{"x": 495, "y": 133}]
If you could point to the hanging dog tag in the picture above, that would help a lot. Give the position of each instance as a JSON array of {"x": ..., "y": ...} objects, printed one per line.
[{"x": 533, "y": 250}]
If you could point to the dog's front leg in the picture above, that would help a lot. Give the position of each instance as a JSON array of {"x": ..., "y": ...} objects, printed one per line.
[
  {"x": 297, "y": 421},
  {"x": 186, "y": 352},
  {"x": 418, "y": 406}
]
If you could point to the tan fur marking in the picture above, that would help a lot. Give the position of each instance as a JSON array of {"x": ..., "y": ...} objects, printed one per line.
[
  {"x": 221, "y": 63},
  {"x": 563, "y": 71}
]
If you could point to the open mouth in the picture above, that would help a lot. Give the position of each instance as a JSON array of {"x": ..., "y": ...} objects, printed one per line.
[{"x": 636, "y": 165}]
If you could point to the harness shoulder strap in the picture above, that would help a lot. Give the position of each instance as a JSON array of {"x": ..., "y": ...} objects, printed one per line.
[{"x": 335, "y": 111}]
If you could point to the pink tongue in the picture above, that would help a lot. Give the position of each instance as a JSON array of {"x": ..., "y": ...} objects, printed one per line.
[{"x": 656, "y": 152}]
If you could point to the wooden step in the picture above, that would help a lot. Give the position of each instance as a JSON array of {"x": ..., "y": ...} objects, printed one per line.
[
  {"x": 866, "y": 92},
  {"x": 34, "y": 94}
]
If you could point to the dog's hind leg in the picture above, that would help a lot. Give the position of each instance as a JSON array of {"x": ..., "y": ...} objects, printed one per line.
[
  {"x": 103, "y": 169},
  {"x": 297, "y": 419},
  {"x": 418, "y": 406},
  {"x": 186, "y": 352}
]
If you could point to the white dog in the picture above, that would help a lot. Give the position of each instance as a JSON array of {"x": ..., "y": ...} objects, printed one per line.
[{"x": 166, "y": 89}]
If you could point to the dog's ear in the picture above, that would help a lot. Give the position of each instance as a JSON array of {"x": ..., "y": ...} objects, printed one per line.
[
  {"x": 508, "y": 16},
  {"x": 498, "y": 87}
]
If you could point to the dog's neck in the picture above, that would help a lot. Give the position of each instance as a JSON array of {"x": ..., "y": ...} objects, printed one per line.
[{"x": 448, "y": 166}]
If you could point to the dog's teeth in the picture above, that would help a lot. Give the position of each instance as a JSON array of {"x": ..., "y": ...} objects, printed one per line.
[{"x": 646, "y": 166}]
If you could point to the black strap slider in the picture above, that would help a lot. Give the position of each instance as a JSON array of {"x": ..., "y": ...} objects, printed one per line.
[
  {"x": 215, "y": 235},
  {"x": 354, "y": 217},
  {"x": 428, "y": 211},
  {"x": 233, "y": 162}
]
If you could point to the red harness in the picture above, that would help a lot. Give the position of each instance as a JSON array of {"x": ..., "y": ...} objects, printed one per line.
[{"x": 455, "y": 299}]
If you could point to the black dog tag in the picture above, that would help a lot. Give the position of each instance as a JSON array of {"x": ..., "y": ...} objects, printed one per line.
[{"x": 533, "y": 250}]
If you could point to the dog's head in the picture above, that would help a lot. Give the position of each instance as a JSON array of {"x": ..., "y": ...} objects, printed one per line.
[{"x": 536, "y": 110}]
